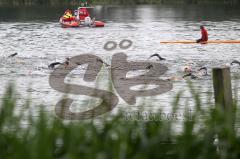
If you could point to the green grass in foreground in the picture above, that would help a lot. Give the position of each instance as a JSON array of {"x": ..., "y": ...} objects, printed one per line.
[{"x": 47, "y": 137}]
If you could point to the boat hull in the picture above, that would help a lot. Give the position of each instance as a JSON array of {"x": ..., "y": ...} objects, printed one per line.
[
  {"x": 99, "y": 24},
  {"x": 69, "y": 24}
]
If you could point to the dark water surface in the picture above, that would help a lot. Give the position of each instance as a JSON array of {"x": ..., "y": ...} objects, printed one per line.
[{"x": 125, "y": 13}]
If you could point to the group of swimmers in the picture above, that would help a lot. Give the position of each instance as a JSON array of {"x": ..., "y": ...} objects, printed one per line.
[{"x": 187, "y": 70}]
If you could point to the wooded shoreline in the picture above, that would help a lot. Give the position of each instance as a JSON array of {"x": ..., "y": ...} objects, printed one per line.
[{"x": 112, "y": 2}]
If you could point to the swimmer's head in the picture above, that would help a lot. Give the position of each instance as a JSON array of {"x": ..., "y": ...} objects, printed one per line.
[
  {"x": 227, "y": 65},
  {"x": 187, "y": 69},
  {"x": 203, "y": 71}
]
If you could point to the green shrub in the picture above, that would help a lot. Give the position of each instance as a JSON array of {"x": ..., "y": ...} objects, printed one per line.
[{"x": 205, "y": 135}]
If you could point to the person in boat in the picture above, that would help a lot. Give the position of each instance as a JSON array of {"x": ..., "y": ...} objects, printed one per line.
[
  {"x": 83, "y": 13},
  {"x": 89, "y": 22},
  {"x": 68, "y": 16},
  {"x": 93, "y": 21},
  {"x": 204, "y": 33}
]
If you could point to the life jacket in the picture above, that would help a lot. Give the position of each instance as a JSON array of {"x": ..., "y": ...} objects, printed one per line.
[
  {"x": 67, "y": 15},
  {"x": 204, "y": 35}
]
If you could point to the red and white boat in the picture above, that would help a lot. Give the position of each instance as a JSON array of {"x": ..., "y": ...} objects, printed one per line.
[{"x": 82, "y": 18}]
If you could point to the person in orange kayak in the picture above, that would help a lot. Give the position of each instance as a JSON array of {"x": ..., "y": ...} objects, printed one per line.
[
  {"x": 68, "y": 16},
  {"x": 204, "y": 33}
]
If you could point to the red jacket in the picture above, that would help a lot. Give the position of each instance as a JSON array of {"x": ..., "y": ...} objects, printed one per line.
[
  {"x": 204, "y": 35},
  {"x": 83, "y": 13}
]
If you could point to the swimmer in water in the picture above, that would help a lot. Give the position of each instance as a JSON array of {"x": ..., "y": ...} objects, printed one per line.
[
  {"x": 100, "y": 60},
  {"x": 203, "y": 71},
  {"x": 158, "y": 56},
  {"x": 155, "y": 55},
  {"x": 149, "y": 66},
  {"x": 235, "y": 62},
  {"x": 12, "y": 55},
  {"x": 195, "y": 75},
  {"x": 190, "y": 73},
  {"x": 65, "y": 64}
]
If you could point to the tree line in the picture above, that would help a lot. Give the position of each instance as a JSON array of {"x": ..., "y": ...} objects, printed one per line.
[{"x": 106, "y": 2}]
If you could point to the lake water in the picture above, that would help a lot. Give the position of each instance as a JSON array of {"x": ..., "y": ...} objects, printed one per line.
[{"x": 37, "y": 37}]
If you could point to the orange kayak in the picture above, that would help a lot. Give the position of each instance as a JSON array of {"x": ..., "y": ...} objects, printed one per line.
[{"x": 208, "y": 42}]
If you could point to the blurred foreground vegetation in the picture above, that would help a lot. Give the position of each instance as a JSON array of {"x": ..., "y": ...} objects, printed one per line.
[
  {"x": 112, "y": 2},
  {"x": 206, "y": 135}
]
